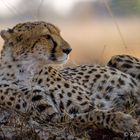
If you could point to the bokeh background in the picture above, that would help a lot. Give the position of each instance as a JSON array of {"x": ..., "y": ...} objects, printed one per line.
[{"x": 95, "y": 29}]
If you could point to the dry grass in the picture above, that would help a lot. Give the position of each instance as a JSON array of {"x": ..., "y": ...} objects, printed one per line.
[{"x": 16, "y": 127}]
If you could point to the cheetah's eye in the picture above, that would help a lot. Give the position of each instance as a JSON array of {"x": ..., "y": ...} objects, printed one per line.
[{"x": 47, "y": 36}]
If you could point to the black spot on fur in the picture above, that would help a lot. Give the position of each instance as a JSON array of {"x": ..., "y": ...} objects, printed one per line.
[
  {"x": 69, "y": 103},
  {"x": 36, "y": 98},
  {"x": 131, "y": 85},
  {"x": 52, "y": 82},
  {"x": 112, "y": 69},
  {"x": 61, "y": 96},
  {"x": 69, "y": 94},
  {"x": 97, "y": 75},
  {"x": 128, "y": 61},
  {"x": 82, "y": 121},
  {"x": 106, "y": 76},
  {"x": 58, "y": 79},
  {"x": 100, "y": 88},
  {"x": 66, "y": 85},
  {"x": 39, "y": 81},
  {"x": 138, "y": 77},
  {"x": 103, "y": 116},
  {"x": 5, "y": 85},
  {"x": 79, "y": 98},
  {"x": 87, "y": 76},
  {"x": 108, "y": 119},
  {"x": 89, "y": 72},
  {"x": 109, "y": 88},
  {"x": 17, "y": 106},
  {"x": 94, "y": 69},
  {"x": 98, "y": 96},
  {"x": 24, "y": 104},
  {"x": 138, "y": 67},
  {"x": 112, "y": 81},
  {"x": 80, "y": 93},
  {"x": 61, "y": 106},
  {"x": 9, "y": 103},
  {"x": 40, "y": 71},
  {"x": 91, "y": 119},
  {"x": 47, "y": 79},
  {"x": 127, "y": 66},
  {"x": 98, "y": 118},
  {"x": 19, "y": 38},
  {"x": 103, "y": 81},
  {"x": 136, "y": 59},
  {"x": 73, "y": 91},
  {"x": 133, "y": 81},
  {"x": 107, "y": 97},
  {"x": 41, "y": 107},
  {"x": 12, "y": 98},
  {"x": 10, "y": 30},
  {"x": 111, "y": 64},
  {"x": 118, "y": 86},
  {"x": 46, "y": 73},
  {"x": 2, "y": 97},
  {"x": 36, "y": 90},
  {"x": 121, "y": 81},
  {"x": 133, "y": 75},
  {"x": 81, "y": 73},
  {"x": 84, "y": 103},
  {"x": 119, "y": 60},
  {"x": 124, "y": 75},
  {"x": 58, "y": 86},
  {"x": 53, "y": 98},
  {"x": 9, "y": 66},
  {"x": 73, "y": 111},
  {"x": 113, "y": 73}
]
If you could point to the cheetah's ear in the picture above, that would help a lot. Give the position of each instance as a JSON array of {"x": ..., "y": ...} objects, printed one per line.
[{"x": 6, "y": 34}]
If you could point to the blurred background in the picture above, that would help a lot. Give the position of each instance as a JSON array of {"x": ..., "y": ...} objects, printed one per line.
[{"x": 95, "y": 29}]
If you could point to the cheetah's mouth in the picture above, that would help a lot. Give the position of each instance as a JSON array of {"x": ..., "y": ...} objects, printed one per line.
[
  {"x": 61, "y": 60},
  {"x": 58, "y": 61}
]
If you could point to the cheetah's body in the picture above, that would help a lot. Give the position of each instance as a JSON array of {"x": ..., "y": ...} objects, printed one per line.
[
  {"x": 127, "y": 64},
  {"x": 104, "y": 83},
  {"x": 88, "y": 94}
]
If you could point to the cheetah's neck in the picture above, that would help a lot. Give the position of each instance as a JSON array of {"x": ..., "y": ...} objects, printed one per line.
[{"x": 23, "y": 70}]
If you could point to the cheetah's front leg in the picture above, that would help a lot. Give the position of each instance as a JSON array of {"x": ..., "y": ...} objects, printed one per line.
[{"x": 117, "y": 121}]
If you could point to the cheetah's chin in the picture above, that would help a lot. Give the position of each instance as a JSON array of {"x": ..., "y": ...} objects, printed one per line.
[{"x": 60, "y": 61}]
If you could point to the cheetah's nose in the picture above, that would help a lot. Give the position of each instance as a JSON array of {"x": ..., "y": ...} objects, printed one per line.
[{"x": 67, "y": 50}]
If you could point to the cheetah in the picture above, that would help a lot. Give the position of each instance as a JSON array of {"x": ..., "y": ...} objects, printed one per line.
[
  {"x": 52, "y": 49},
  {"x": 29, "y": 45},
  {"x": 86, "y": 96},
  {"x": 127, "y": 64}
]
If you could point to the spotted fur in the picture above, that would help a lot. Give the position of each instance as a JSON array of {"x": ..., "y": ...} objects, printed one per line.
[
  {"x": 87, "y": 95},
  {"x": 36, "y": 40},
  {"x": 127, "y": 64}
]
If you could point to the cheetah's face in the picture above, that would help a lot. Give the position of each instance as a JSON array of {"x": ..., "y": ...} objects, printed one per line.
[{"x": 38, "y": 40}]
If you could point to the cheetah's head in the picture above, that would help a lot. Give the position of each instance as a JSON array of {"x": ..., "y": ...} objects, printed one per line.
[{"x": 35, "y": 40}]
